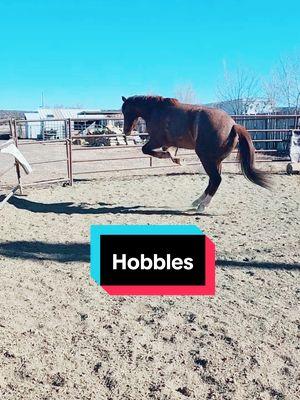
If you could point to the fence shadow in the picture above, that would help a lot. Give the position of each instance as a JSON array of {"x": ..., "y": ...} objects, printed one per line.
[
  {"x": 38, "y": 250},
  {"x": 103, "y": 208},
  {"x": 257, "y": 264},
  {"x": 80, "y": 252}
]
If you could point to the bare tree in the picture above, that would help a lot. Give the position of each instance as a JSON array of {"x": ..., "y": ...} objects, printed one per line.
[
  {"x": 284, "y": 84},
  {"x": 239, "y": 87},
  {"x": 186, "y": 94},
  {"x": 269, "y": 90}
]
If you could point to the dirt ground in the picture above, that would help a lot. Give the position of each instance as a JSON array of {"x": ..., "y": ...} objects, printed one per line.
[{"x": 62, "y": 337}]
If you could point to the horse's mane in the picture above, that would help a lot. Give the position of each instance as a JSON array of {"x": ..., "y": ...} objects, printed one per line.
[{"x": 152, "y": 100}]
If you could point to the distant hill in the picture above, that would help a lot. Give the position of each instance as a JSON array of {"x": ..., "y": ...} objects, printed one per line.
[
  {"x": 6, "y": 114},
  {"x": 12, "y": 114}
]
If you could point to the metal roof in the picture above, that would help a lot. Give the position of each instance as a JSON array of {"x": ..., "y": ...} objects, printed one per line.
[
  {"x": 58, "y": 113},
  {"x": 31, "y": 115},
  {"x": 65, "y": 113}
]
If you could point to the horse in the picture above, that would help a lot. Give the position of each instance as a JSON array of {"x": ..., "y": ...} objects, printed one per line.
[{"x": 211, "y": 132}]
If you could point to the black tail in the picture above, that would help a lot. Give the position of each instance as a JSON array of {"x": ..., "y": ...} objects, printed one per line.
[{"x": 246, "y": 157}]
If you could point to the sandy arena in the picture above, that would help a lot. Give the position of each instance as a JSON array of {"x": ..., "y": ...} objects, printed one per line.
[{"x": 62, "y": 337}]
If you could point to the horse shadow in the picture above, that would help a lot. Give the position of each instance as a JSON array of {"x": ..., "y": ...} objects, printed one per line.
[
  {"x": 80, "y": 252},
  {"x": 70, "y": 208}
]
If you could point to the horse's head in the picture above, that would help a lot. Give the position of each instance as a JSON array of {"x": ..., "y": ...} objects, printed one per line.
[
  {"x": 131, "y": 115},
  {"x": 142, "y": 106}
]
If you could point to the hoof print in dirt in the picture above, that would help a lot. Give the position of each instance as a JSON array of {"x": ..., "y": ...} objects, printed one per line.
[
  {"x": 155, "y": 387},
  {"x": 201, "y": 362},
  {"x": 191, "y": 317},
  {"x": 83, "y": 317},
  {"x": 97, "y": 366},
  {"x": 7, "y": 354},
  {"x": 109, "y": 382},
  {"x": 58, "y": 380},
  {"x": 184, "y": 391}
]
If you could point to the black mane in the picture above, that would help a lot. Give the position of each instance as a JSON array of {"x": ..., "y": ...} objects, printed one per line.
[{"x": 151, "y": 100}]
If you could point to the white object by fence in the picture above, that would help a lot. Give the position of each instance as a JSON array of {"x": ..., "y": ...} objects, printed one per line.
[
  {"x": 295, "y": 146},
  {"x": 9, "y": 147}
]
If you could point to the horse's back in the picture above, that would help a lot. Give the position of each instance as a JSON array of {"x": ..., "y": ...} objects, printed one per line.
[
  {"x": 182, "y": 125},
  {"x": 170, "y": 123},
  {"x": 211, "y": 118}
]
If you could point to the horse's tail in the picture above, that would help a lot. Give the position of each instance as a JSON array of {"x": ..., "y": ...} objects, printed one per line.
[{"x": 246, "y": 157}]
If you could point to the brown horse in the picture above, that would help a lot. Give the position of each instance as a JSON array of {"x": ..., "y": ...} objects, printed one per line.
[{"x": 212, "y": 133}]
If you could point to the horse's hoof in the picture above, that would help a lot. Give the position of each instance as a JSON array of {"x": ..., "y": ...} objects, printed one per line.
[
  {"x": 195, "y": 203},
  {"x": 176, "y": 160},
  {"x": 200, "y": 208}
]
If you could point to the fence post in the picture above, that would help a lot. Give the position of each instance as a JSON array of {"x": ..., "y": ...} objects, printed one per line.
[
  {"x": 14, "y": 134},
  {"x": 70, "y": 152},
  {"x": 11, "y": 128},
  {"x": 67, "y": 148}
]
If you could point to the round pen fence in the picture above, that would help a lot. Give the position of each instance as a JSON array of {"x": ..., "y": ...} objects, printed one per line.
[
  {"x": 135, "y": 160},
  {"x": 61, "y": 150},
  {"x": 272, "y": 144},
  {"x": 48, "y": 157}
]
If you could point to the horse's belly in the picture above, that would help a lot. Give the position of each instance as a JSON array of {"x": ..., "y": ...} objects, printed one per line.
[
  {"x": 181, "y": 138},
  {"x": 186, "y": 142}
]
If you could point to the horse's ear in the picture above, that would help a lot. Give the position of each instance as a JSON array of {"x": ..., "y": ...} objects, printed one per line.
[
  {"x": 170, "y": 101},
  {"x": 124, "y": 98}
]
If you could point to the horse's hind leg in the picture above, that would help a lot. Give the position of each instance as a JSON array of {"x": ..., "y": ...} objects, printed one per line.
[{"x": 213, "y": 170}]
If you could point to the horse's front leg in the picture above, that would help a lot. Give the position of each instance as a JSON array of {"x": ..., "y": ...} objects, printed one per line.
[
  {"x": 153, "y": 149},
  {"x": 173, "y": 154}
]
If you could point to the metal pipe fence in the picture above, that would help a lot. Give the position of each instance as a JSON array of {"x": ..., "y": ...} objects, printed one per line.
[
  {"x": 47, "y": 152},
  {"x": 43, "y": 155}
]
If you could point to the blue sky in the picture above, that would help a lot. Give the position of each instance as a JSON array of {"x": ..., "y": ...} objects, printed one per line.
[{"x": 89, "y": 53}]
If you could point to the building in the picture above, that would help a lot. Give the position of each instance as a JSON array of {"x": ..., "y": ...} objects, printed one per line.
[
  {"x": 244, "y": 107},
  {"x": 50, "y": 123}
]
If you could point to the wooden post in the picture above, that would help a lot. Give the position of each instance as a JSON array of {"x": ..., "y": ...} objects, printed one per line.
[
  {"x": 17, "y": 165},
  {"x": 70, "y": 152},
  {"x": 11, "y": 129},
  {"x": 10, "y": 194}
]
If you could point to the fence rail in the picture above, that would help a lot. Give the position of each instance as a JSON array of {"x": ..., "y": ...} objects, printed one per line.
[{"x": 272, "y": 141}]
